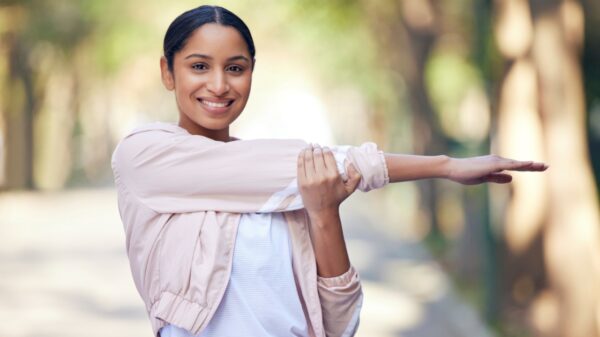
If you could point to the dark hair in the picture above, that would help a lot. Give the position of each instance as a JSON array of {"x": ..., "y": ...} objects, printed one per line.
[{"x": 185, "y": 24}]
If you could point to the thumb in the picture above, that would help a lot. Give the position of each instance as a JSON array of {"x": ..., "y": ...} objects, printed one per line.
[
  {"x": 499, "y": 178},
  {"x": 353, "y": 179}
]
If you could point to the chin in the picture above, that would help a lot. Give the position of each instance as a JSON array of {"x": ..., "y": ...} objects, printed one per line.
[
  {"x": 214, "y": 124},
  {"x": 210, "y": 125},
  {"x": 201, "y": 120}
]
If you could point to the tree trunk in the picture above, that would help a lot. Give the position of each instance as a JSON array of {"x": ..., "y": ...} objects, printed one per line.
[
  {"x": 18, "y": 116},
  {"x": 406, "y": 44},
  {"x": 541, "y": 115}
]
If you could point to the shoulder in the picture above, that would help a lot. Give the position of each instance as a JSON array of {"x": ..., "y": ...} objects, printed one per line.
[
  {"x": 144, "y": 138},
  {"x": 156, "y": 128},
  {"x": 152, "y": 131}
]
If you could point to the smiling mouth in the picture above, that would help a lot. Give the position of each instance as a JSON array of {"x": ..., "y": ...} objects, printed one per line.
[{"x": 212, "y": 104}]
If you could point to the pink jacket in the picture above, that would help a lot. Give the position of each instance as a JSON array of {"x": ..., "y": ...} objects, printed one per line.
[{"x": 180, "y": 199}]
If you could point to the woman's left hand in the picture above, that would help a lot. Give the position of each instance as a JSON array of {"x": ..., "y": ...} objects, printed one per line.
[
  {"x": 491, "y": 168},
  {"x": 320, "y": 183}
]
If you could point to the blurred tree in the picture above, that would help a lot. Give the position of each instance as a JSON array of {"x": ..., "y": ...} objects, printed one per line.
[
  {"x": 397, "y": 38},
  {"x": 406, "y": 32},
  {"x": 421, "y": 66},
  {"x": 59, "y": 55},
  {"x": 441, "y": 61},
  {"x": 34, "y": 32},
  {"x": 591, "y": 74},
  {"x": 440, "y": 102},
  {"x": 542, "y": 115}
]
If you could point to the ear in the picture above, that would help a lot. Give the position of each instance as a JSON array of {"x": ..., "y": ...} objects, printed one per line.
[{"x": 166, "y": 74}]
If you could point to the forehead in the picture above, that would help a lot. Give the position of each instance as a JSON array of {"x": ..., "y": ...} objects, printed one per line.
[{"x": 215, "y": 40}]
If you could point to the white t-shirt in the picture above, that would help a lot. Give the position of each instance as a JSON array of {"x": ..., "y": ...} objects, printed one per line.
[{"x": 261, "y": 298}]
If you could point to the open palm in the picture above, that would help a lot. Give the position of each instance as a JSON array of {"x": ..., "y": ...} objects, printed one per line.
[{"x": 490, "y": 168}]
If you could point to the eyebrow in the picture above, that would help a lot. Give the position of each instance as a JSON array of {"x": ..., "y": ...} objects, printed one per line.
[{"x": 233, "y": 58}]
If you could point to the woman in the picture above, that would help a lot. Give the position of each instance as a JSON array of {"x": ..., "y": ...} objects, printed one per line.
[{"x": 228, "y": 237}]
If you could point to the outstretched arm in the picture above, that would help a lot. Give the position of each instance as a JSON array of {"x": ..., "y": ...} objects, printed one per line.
[
  {"x": 171, "y": 171},
  {"x": 468, "y": 171}
]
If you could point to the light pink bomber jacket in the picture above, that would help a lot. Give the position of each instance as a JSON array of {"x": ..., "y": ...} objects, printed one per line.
[{"x": 180, "y": 198}]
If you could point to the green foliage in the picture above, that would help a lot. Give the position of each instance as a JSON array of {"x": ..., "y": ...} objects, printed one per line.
[
  {"x": 449, "y": 77},
  {"x": 59, "y": 22},
  {"x": 117, "y": 44},
  {"x": 340, "y": 41},
  {"x": 108, "y": 31}
]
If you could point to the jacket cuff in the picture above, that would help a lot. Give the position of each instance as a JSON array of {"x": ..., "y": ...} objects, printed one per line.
[
  {"x": 341, "y": 301},
  {"x": 370, "y": 162},
  {"x": 340, "y": 281}
]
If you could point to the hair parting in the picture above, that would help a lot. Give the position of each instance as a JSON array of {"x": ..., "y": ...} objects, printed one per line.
[{"x": 185, "y": 24}]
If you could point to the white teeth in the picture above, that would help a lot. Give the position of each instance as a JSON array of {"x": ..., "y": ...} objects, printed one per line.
[{"x": 215, "y": 104}]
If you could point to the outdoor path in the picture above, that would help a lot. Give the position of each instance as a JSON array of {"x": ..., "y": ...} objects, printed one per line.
[{"x": 64, "y": 273}]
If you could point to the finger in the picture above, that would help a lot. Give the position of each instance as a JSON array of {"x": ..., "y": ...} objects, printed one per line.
[
  {"x": 534, "y": 166},
  {"x": 301, "y": 169},
  {"x": 309, "y": 165},
  {"x": 319, "y": 160},
  {"x": 353, "y": 179},
  {"x": 518, "y": 165},
  {"x": 499, "y": 178},
  {"x": 330, "y": 162},
  {"x": 511, "y": 164}
]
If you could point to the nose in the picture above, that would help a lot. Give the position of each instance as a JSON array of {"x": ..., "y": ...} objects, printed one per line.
[{"x": 218, "y": 84}]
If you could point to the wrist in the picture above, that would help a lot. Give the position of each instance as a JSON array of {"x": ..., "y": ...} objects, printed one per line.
[
  {"x": 324, "y": 214},
  {"x": 445, "y": 170},
  {"x": 325, "y": 218}
]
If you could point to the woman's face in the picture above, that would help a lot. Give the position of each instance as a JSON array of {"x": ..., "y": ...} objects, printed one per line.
[{"x": 211, "y": 77}]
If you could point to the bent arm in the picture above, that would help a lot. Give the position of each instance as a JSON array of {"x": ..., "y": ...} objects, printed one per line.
[
  {"x": 323, "y": 190},
  {"x": 171, "y": 171}
]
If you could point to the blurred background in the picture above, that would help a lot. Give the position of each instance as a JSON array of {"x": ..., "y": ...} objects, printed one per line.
[{"x": 466, "y": 77}]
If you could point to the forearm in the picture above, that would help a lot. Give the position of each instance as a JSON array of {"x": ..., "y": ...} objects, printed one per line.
[
  {"x": 403, "y": 167},
  {"x": 328, "y": 243}
]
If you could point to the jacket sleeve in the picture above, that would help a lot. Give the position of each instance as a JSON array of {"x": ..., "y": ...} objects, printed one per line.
[
  {"x": 341, "y": 302},
  {"x": 175, "y": 172}
]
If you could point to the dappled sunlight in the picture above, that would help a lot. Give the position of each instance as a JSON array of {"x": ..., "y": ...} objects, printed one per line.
[
  {"x": 418, "y": 14},
  {"x": 284, "y": 103},
  {"x": 474, "y": 109},
  {"x": 457, "y": 90},
  {"x": 451, "y": 215},
  {"x": 387, "y": 311},
  {"x": 406, "y": 292},
  {"x": 64, "y": 267},
  {"x": 544, "y": 313},
  {"x": 520, "y": 136},
  {"x": 423, "y": 280},
  {"x": 364, "y": 253},
  {"x": 552, "y": 219},
  {"x": 516, "y": 78},
  {"x": 287, "y": 113},
  {"x": 55, "y": 159},
  {"x": 573, "y": 19},
  {"x": 514, "y": 29}
]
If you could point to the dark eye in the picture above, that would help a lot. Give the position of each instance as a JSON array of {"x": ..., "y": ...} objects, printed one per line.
[
  {"x": 235, "y": 69},
  {"x": 199, "y": 66}
]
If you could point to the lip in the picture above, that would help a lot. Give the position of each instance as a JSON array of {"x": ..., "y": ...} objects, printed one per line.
[{"x": 215, "y": 106}]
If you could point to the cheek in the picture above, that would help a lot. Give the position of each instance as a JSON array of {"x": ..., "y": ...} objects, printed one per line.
[
  {"x": 187, "y": 82},
  {"x": 243, "y": 85}
]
